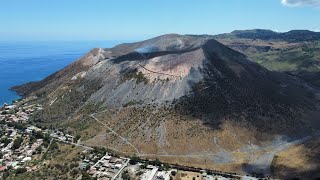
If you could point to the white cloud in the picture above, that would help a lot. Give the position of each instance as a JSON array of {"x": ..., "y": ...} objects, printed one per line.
[{"x": 296, "y": 3}]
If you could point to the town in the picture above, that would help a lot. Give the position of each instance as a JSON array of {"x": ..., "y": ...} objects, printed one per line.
[{"x": 24, "y": 148}]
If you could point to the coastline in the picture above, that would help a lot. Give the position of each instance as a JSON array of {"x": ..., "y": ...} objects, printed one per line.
[{"x": 12, "y": 100}]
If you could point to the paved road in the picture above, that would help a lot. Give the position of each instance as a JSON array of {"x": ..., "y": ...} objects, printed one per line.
[{"x": 125, "y": 165}]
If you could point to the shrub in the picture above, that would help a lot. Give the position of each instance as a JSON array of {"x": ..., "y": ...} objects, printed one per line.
[
  {"x": 125, "y": 175},
  {"x": 134, "y": 159},
  {"x": 17, "y": 143},
  {"x": 5, "y": 140},
  {"x": 21, "y": 170},
  {"x": 76, "y": 138}
]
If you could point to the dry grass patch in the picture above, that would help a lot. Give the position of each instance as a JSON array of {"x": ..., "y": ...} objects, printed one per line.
[
  {"x": 301, "y": 161},
  {"x": 187, "y": 175}
]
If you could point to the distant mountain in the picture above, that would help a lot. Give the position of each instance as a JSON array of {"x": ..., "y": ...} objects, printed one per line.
[
  {"x": 184, "y": 99},
  {"x": 262, "y": 34},
  {"x": 296, "y": 52}
]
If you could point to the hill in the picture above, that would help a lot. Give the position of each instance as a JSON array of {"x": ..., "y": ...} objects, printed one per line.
[
  {"x": 293, "y": 36},
  {"x": 295, "y": 52}
]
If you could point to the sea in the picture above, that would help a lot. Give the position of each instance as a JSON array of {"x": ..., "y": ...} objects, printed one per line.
[{"x": 22, "y": 62}]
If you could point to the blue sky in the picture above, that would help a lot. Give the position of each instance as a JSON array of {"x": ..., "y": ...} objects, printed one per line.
[{"x": 140, "y": 19}]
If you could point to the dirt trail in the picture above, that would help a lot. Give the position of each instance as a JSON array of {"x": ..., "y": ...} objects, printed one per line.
[{"x": 115, "y": 133}]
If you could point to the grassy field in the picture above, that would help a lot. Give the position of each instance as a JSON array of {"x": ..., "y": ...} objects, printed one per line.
[
  {"x": 295, "y": 59},
  {"x": 300, "y": 161}
]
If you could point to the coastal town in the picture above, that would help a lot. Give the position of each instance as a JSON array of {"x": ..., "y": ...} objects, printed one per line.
[{"x": 25, "y": 147}]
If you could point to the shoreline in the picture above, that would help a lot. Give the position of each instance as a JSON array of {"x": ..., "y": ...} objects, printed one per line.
[
  {"x": 2, "y": 104},
  {"x": 19, "y": 90}
]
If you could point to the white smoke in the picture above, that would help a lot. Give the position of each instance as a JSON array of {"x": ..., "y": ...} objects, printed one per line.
[
  {"x": 147, "y": 49},
  {"x": 296, "y": 3}
]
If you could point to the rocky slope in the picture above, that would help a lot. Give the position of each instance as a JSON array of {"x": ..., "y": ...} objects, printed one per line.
[{"x": 184, "y": 99}]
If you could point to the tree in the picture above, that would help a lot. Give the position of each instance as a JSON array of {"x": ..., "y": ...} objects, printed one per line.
[
  {"x": 45, "y": 144},
  {"x": 32, "y": 139},
  {"x": 38, "y": 135},
  {"x": 21, "y": 170},
  {"x": 5, "y": 174},
  {"x": 38, "y": 150},
  {"x": 143, "y": 166},
  {"x": 85, "y": 176},
  {"x": 75, "y": 140},
  {"x": 125, "y": 175},
  {"x": 134, "y": 159},
  {"x": 157, "y": 162},
  {"x": 54, "y": 145},
  {"x": 87, "y": 167},
  {"x": 5, "y": 141},
  {"x": 46, "y": 138},
  {"x": 17, "y": 143},
  {"x": 173, "y": 173},
  {"x": 166, "y": 166}
]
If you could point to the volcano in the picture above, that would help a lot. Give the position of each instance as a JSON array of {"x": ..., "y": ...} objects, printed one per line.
[{"x": 183, "y": 99}]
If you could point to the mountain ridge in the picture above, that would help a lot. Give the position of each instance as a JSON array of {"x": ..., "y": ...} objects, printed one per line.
[{"x": 292, "y": 36}]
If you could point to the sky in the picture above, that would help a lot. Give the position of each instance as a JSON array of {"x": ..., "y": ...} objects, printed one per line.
[{"x": 42, "y": 20}]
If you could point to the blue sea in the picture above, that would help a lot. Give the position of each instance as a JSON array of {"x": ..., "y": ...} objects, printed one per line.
[{"x": 22, "y": 62}]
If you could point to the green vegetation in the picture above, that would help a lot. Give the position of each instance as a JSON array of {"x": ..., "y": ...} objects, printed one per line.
[
  {"x": 264, "y": 34},
  {"x": 143, "y": 166},
  {"x": 21, "y": 170},
  {"x": 294, "y": 59},
  {"x": 134, "y": 74},
  {"x": 5, "y": 140},
  {"x": 38, "y": 150},
  {"x": 62, "y": 164},
  {"x": 134, "y": 159},
  {"x": 53, "y": 116},
  {"x": 166, "y": 166},
  {"x": 17, "y": 143},
  {"x": 76, "y": 138},
  {"x": 54, "y": 146},
  {"x": 303, "y": 61},
  {"x": 17, "y": 125},
  {"x": 173, "y": 173},
  {"x": 86, "y": 176},
  {"x": 32, "y": 139},
  {"x": 131, "y": 103},
  {"x": 125, "y": 175}
]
